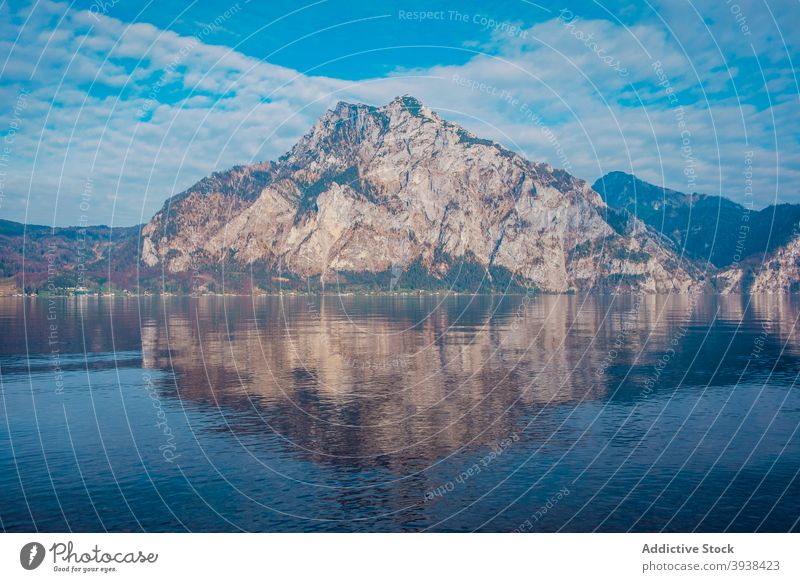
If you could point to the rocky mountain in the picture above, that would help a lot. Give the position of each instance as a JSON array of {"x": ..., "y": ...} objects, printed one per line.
[
  {"x": 775, "y": 272},
  {"x": 397, "y": 197},
  {"x": 707, "y": 228}
]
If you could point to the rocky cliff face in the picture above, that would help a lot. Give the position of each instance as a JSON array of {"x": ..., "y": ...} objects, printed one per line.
[
  {"x": 777, "y": 272},
  {"x": 396, "y": 188}
]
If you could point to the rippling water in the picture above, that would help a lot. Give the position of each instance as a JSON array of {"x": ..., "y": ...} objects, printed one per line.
[{"x": 572, "y": 413}]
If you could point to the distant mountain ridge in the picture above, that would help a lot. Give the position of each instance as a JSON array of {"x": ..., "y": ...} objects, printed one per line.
[
  {"x": 709, "y": 228},
  {"x": 38, "y": 257}
]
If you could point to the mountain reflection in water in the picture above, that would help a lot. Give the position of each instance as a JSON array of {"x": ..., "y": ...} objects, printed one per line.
[{"x": 401, "y": 413}]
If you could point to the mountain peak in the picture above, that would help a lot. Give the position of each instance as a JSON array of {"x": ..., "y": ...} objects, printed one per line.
[
  {"x": 406, "y": 102},
  {"x": 352, "y": 127},
  {"x": 400, "y": 105},
  {"x": 407, "y": 99},
  {"x": 345, "y": 108},
  {"x": 413, "y": 106}
]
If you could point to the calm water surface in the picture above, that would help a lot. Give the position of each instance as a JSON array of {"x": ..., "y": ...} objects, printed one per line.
[{"x": 441, "y": 413}]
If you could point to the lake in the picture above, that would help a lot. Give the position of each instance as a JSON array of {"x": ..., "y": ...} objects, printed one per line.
[{"x": 400, "y": 413}]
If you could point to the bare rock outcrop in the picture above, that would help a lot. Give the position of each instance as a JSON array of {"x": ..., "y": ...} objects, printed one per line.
[{"x": 370, "y": 189}]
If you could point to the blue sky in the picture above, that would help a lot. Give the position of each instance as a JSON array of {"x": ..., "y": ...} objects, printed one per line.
[{"x": 109, "y": 107}]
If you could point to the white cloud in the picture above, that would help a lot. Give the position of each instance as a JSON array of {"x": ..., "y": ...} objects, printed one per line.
[{"x": 90, "y": 80}]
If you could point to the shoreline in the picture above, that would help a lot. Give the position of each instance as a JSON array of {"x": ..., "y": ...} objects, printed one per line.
[{"x": 385, "y": 294}]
